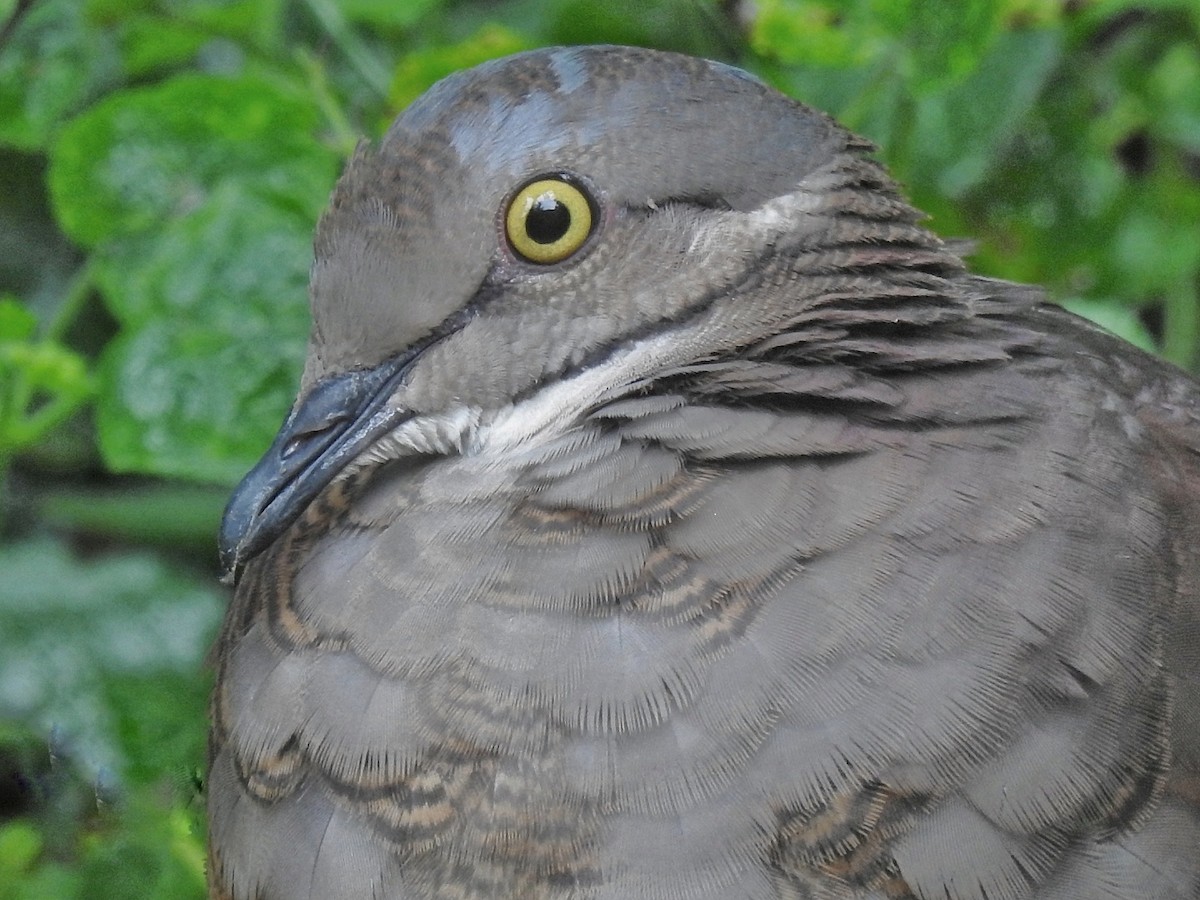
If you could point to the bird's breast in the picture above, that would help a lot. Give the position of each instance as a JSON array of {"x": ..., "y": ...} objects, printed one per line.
[{"x": 571, "y": 656}]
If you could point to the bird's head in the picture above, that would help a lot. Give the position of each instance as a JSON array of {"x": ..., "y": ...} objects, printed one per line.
[{"x": 538, "y": 235}]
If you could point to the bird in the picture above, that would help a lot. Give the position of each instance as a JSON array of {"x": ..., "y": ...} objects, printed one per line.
[{"x": 667, "y": 512}]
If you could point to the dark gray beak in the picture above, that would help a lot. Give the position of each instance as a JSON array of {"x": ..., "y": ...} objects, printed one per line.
[{"x": 334, "y": 423}]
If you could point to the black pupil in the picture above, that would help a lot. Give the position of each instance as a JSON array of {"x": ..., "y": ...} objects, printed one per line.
[{"x": 547, "y": 220}]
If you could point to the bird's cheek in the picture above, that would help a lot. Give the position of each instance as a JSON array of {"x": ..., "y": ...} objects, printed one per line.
[{"x": 481, "y": 366}]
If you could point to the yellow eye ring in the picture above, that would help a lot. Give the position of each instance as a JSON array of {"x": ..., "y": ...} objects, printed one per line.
[{"x": 548, "y": 220}]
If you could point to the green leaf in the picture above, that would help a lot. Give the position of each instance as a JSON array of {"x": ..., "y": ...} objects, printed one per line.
[
  {"x": 41, "y": 382},
  {"x": 82, "y": 640},
  {"x": 815, "y": 33},
  {"x": 926, "y": 43},
  {"x": 387, "y": 14},
  {"x": 144, "y": 157},
  {"x": 1174, "y": 88},
  {"x": 360, "y": 56},
  {"x": 944, "y": 40},
  {"x": 238, "y": 262},
  {"x": 151, "y": 851},
  {"x": 250, "y": 24},
  {"x": 195, "y": 401},
  {"x": 1148, "y": 251},
  {"x": 54, "y": 63},
  {"x": 49, "y": 879},
  {"x": 20, "y": 845},
  {"x": 189, "y": 390},
  {"x": 16, "y": 322},
  {"x": 200, "y": 196},
  {"x": 698, "y": 27},
  {"x": 151, "y": 43},
  {"x": 961, "y": 131}
]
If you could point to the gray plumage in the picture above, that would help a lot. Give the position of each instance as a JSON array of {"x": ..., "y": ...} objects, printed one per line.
[{"x": 756, "y": 549}]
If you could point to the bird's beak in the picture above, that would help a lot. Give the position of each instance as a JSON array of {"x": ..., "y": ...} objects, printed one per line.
[{"x": 338, "y": 419}]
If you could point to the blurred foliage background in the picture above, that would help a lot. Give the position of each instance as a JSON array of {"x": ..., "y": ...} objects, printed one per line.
[{"x": 162, "y": 163}]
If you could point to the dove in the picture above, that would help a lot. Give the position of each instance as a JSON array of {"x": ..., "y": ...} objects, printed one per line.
[{"x": 666, "y": 512}]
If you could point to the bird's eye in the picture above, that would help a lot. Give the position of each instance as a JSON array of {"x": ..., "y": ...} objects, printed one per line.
[{"x": 548, "y": 220}]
